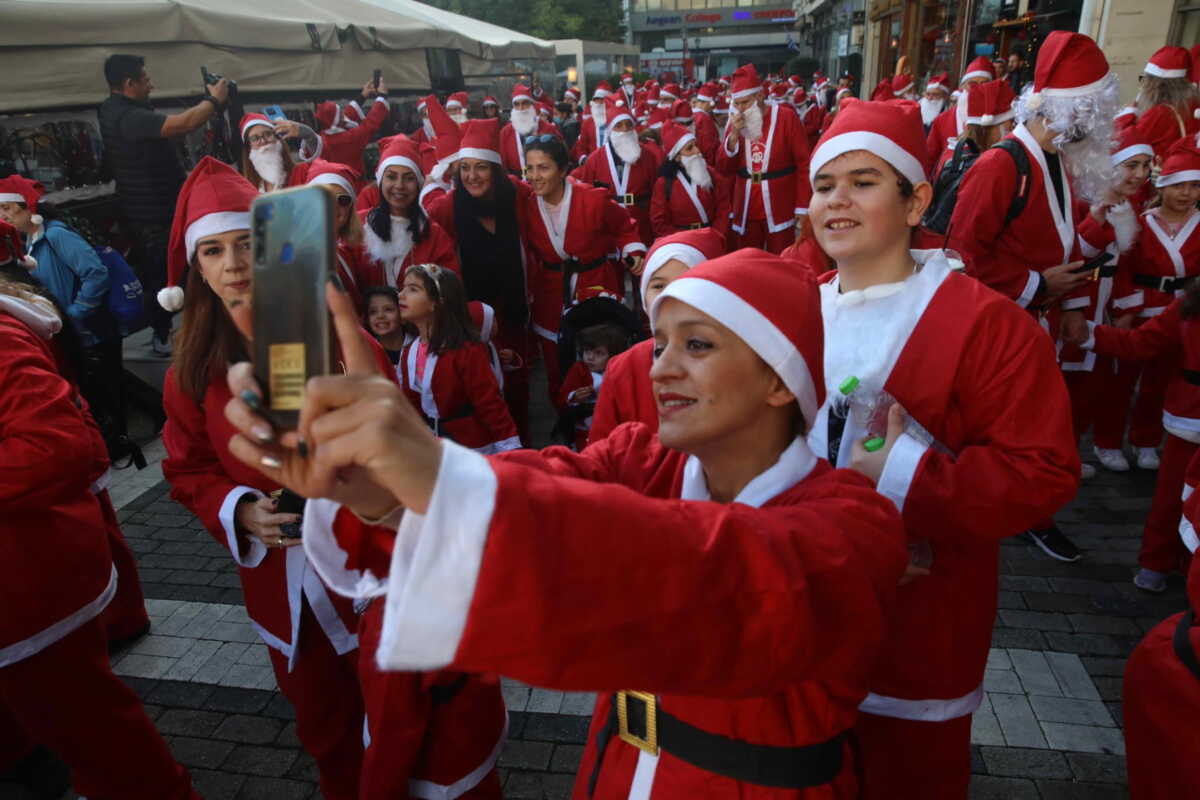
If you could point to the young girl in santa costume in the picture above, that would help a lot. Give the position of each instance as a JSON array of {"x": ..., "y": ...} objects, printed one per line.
[
  {"x": 975, "y": 432},
  {"x": 626, "y": 394},
  {"x": 591, "y": 570}
]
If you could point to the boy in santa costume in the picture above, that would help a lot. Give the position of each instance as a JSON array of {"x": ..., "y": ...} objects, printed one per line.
[
  {"x": 342, "y": 141},
  {"x": 765, "y": 150},
  {"x": 688, "y": 193},
  {"x": 624, "y": 166},
  {"x": 946, "y": 376},
  {"x": 949, "y": 124},
  {"x": 724, "y": 515}
]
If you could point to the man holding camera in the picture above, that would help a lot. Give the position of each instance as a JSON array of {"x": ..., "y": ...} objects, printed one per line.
[{"x": 144, "y": 161}]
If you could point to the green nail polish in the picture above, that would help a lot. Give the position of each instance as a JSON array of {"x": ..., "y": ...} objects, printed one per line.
[{"x": 871, "y": 445}]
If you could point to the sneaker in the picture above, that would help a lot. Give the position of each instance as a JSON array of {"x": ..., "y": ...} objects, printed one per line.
[
  {"x": 1150, "y": 581},
  {"x": 1147, "y": 458},
  {"x": 1053, "y": 543},
  {"x": 1112, "y": 460},
  {"x": 1086, "y": 472},
  {"x": 160, "y": 347}
]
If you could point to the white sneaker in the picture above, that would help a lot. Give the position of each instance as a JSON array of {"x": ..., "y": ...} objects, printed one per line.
[
  {"x": 1112, "y": 460},
  {"x": 1086, "y": 472},
  {"x": 1147, "y": 458},
  {"x": 1150, "y": 581}
]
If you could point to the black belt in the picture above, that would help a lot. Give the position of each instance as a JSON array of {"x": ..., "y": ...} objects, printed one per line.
[
  {"x": 759, "y": 177},
  {"x": 627, "y": 200},
  {"x": 1106, "y": 271},
  {"x": 435, "y": 424},
  {"x": 445, "y": 692},
  {"x": 1183, "y": 644},
  {"x": 1192, "y": 376},
  {"x": 1163, "y": 283},
  {"x": 692, "y": 226},
  {"x": 643, "y": 725},
  {"x": 573, "y": 266}
]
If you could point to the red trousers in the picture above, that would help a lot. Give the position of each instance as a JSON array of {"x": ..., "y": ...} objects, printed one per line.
[
  {"x": 756, "y": 235},
  {"x": 1162, "y": 549},
  {"x": 126, "y": 614},
  {"x": 902, "y": 759},
  {"x": 1113, "y": 409},
  {"x": 1091, "y": 393},
  {"x": 323, "y": 688},
  {"x": 67, "y": 699}
]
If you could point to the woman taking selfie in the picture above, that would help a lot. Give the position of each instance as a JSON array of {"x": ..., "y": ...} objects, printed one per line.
[
  {"x": 266, "y": 161},
  {"x": 591, "y": 570}
]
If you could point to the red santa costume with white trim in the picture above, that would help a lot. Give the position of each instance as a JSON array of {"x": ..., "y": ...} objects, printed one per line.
[
  {"x": 439, "y": 181},
  {"x": 1163, "y": 125},
  {"x": 802, "y": 567},
  {"x": 770, "y": 173},
  {"x": 949, "y": 125},
  {"x": 971, "y": 370},
  {"x": 594, "y": 125},
  {"x": 343, "y": 142},
  {"x": 626, "y": 394},
  {"x": 294, "y": 176},
  {"x": 629, "y": 183},
  {"x": 708, "y": 136},
  {"x": 689, "y": 205},
  {"x": 512, "y": 148},
  {"x": 352, "y": 266}
]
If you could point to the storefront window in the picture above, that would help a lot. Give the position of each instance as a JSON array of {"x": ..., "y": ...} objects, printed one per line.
[{"x": 1189, "y": 24}]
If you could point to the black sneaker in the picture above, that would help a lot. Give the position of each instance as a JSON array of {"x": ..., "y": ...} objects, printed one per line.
[{"x": 1053, "y": 543}]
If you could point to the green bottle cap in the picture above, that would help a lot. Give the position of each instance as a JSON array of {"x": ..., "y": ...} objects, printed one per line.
[
  {"x": 849, "y": 385},
  {"x": 871, "y": 445}
]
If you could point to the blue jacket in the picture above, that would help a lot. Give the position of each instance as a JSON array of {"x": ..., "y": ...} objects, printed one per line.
[{"x": 72, "y": 271}]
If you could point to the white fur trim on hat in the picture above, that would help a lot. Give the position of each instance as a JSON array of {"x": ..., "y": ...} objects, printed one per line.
[
  {"x": 746, "y": 92},
  {"x": 1172, "y": 178},
  {"x": 267, "y": 124},
  {"x": 333, "y": 179},
  {"x": 171, "y": 298},
  {"x": 682, "y": 143},
  {"x": 904, "y": 161},
  {"x": 670, "y": 252},
  {"x": 975, "y": 73},
  {"x": 1159, "y": 72},
  {"x": 703, "y": 98},
  {"x": 1123, "y": 155},
  {"x": 11, "y": 197},
  {"x": 490, "y": 102},
  {"x": 755, "y": 329},
  {"x": 479, "y": 153},
  {"x": 211, "y": 225},
  {"x": 1076, "y": 91},
  {"x": 991, "y": 119},
  {"x": 600, "y": 93},
  {"x": 453, "y": 104},
  {"x": 402, "y": 161}
]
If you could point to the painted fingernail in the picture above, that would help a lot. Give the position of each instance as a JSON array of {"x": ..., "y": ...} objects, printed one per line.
[
  {"x": 871, "y": 445},
  {"x": 302, "y": 448},
  {"x": 251, "y": 399},
  {"x": 270, "y": 462},
  {"x": 262, "y": 432}
]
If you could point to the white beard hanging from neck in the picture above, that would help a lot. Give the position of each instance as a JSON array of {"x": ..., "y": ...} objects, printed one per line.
[
  {"x": 697, "y": 171},
  {"x": 754, "y": 123},
  {"x": 626, "y": 145},
  {"x": 459, "y": 116},
  {"x": 268, "y": 163},
  {"x": 930, "y": 109},
  {"x": 599, "y": 112},
  {"x": 524, "y": 121}
]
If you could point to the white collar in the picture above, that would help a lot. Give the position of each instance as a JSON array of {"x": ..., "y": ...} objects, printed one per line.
[
  {"x": 794, "y": 465},
  {"x": 879, "y": 291}
]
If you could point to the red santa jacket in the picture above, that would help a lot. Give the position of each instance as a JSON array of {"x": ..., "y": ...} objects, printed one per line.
[
  {"x": 587, "y": 141},
  {"x": 784, "y": 189},
  {"x": 708, "y": 138},
  {"x": 512, "y": 149},
  {"x": 630, "y": 185},
  {"x": 690, "y": 206},
  {"x": 387, "y": 261},
  {"x": 1162, "y": 125},
  {"x": 996, "y": 454},
  {"x": 626, "y": 394},
  {"x": 1157, "y": 255},
  {"x": 459, "y": 396},
  {"x": 1009, "y": 258},
  {"x": 52, "y": 536},
  {"x": 354, "y": 268},
  {"x": 942, "y": 133},
  {"x": 346, "y": 147},
  {"x": 812, "y": 117},
  {"x": 792, "y": 580},
  {"x": 432, "y": 192}
]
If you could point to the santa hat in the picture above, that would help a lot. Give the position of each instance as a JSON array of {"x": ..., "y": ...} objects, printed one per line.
[
  {"x": 939, "y": 82},
  {"x": 1130, "y": 144},
  {"x": 19, "y": 189},
  {"x": 1170, "y": 62},
  {"x": 882, "y": 91},
  {"x": 691, "y": 247},
  {"x": 979, "y": 68},
  {"x": 652, "y": 97},
  {"x": 641, "y": 111},
  {"x": 12, "y": 250},
  {"x": 421, "y": 104},
  {"x": 901, "y": 84},
  {"x": 672, "y": 91},
  {"x": 627, "y": 79},
  {"x": 328, "y": 115},
  {"x": 445, "y": 129},
  {"x": 708, "y": 93},
  {"x": 721, "y": 106},
  {"x": 819, "y": 80},
  {"x": 521, "y": 92},
  {"x": 1068, "y": 65},
  {"x": 572, "y": 93},
  {"x": 483, "y": 317},
  {"x": 771, "y": 306},
  {"x": 745, "y": 82},
  {"x": 319, "y": 171},
  {"x": 400, "y": 151},
  {"x": 251, "y": 120},
  {"x": 779, "y": 93},
  {"x": 615, "y": 110},
  {"x": 990, "y": 103},
  {"x": 352, "y": 114},
  {"x": 214, "y": 199},
  {"x": 675, "y": 138},
  {"x": 795, "y": 80},
  {"x": 456, "y": 101},
  {"x": 725, "y": 80},
  {"x": 799, "y": 96},
  {"x": 488, "y": 100},
  {"x": 545, "y": 109},
  {"x": 681, "y": 112},
  {"x": 658, "y": 118},
  {"x": 891, "y": 130},
  {"x": 481, "y": 140},
  {"x": 1182, "y": 163},
  {"x": 601, "y": 91}
]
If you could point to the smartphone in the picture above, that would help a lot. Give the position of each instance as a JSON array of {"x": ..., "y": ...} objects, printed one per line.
[
  {"x": 274, "y": 113},
  {"x": 376, "y": 77},
  {"x": 288, "y": 502},
  {"x": 1093, "y": 263},
  {"x": 293, "y": 244}
]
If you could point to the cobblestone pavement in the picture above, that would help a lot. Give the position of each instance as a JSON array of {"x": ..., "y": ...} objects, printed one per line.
[{"x": 1050, "y": 727}]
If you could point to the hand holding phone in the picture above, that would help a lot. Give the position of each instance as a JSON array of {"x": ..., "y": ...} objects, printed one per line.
[{"x": 1094, "y": 263}]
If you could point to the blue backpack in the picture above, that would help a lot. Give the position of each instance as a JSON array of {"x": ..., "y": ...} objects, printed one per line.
[{"x": 126, "y": 297}]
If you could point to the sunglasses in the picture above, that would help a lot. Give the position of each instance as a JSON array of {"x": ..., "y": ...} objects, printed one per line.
[
  {"x": 544, "y": 138},
  {"x": 344, "y": 200}
]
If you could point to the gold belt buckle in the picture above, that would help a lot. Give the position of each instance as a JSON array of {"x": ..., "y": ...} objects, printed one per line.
[
  {"x": 756, "y": 177},
  {"x": 625, "y": 199},
  {"x": 695, "y": 226},
  {"x": 650, "y": 743}
]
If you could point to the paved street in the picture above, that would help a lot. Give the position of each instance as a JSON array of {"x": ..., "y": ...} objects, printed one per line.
[{"x": 1050, "y": 727}]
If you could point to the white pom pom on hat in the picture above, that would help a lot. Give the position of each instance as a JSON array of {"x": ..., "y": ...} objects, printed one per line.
[{"x": 171, "y": 298}]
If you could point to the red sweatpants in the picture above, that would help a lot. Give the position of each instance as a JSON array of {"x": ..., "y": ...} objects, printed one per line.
[
  {"x": 1162, "y": 550},
  {"x": 126, "y": 614},
  {"x": 756, "y": 235},
  {"x": 323, "y": 688},
  {"x": 67, "y": 699},
  {"x": 1113, "y": 409},
  {"x": 901, "y": 759}
]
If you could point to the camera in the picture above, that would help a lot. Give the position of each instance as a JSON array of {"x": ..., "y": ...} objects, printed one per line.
[{"x": 210, "y": 78}]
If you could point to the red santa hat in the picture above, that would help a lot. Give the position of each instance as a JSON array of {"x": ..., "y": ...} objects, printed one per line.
[
  {"x": 601, "y": 91},
  {"x": 521, "y": 92},
  {"x": 1170, "y": 62},
  {"x": 725, "y": 80},
  {"x": 641, "y": 111},
  {"x": 779, "y": 92},
  {"x": 19, "y": 189},
  {"x": 421, "y": 104},
  {"x": 979, "y": 68},
  {"x": 1068, "y": 65},
  {"x": 1130, "y": 144},
  {"x": 901, "y": 84},
  {"x": 658, "y": 118},
  {"x": 795, "y": 80},
  {"x": 745, "y": 82},
  {"x": 990, "y": 103},
  {"x": 545, "y": 109},
  {"x": 652, "y": 97},
  {"x": 445, "y": 129},
  {"x": 1182, "y": 163},
  {"x": 771, "y": 306},
  {"x": 675, "y": 138},
  {"x": 882, "y": 91},
  {"x": 692, "y": 247},
  {"x": 400, "y": 151},
  {"x": 615, "y": 110},
  {"x": 572, "y": 93},
  {"x": 214, "y": 199},
  {"x": 488, "y": 100},
  {"x": 721, "y": 106},
  {"x": 483, "y": 317},
  {"x": 457, "y": 100},
  {"x": 328, "y": 115},
  {"x": 681, "y": 112},
  {"x": 891, "y": 130},
  {"x": 939, "y": 82},
  {"x": 627, "y": 79},
  {"x": 708, "y": 93},
  {"x": 11, "y": 248},
  {"x": 671, "y": 91},
  {"x": 819, "y": 80},
  {"x": 481, "y": 140},
  {"x": 352, "y": 114},
  {"x": 252, "y": 120},
  {"x": 319, "y": 171}
]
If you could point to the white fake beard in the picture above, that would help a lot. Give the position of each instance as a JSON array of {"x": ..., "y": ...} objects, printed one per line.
[
  {"x": 459, "y": 116},
  {"x": 524, "y": 121},
  {"x": 626, "y": 145},
  {"x": 599, "y": 112},
  {"x": 754, "y": 123},
  {"x": 697, "y": 171},
  {"x": 930, "y": 109},
  {"x": 430, "y": 133},
  {"x": 268, "y": 163}
]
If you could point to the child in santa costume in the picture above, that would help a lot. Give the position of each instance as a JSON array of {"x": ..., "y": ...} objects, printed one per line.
[
  {"x": 724, "y": 515},
  {"x": 597, "y": 345},
  {"x": 445, "y": 370},
  {"x": 950, "y": 124},
  {"x": 955, "y": 374},
  {"x": 309, "y": 633},
  {"x": 383, "y": 321},
  {"x": 343, "y": 140},
  {"x": 398, "y": 232},
  {"x": 352, "y": 265},
  {"x": 688, "y": 193},
  {"x": 57, "y": 689},
  {"x": 626, "y": 394}
]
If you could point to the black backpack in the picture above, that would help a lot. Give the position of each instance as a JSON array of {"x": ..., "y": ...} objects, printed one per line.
[{"x": 945, "y": 189}]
